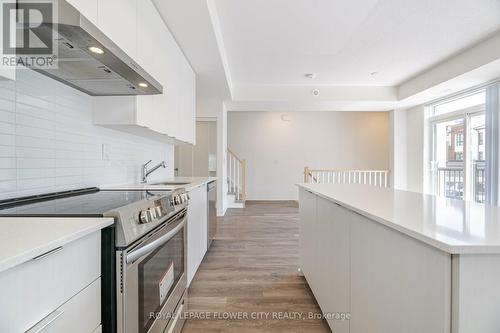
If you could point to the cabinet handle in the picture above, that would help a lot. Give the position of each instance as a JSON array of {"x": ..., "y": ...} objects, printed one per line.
[
  {"x": 45, "y": 322},
  {"x": 48, "y": 253},
  {"x": 178, "y": 314}
]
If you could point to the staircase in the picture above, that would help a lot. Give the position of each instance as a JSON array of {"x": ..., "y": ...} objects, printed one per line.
[{"x": 236, "y": 181}]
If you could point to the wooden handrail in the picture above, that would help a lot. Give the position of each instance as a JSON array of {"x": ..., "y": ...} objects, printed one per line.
[
  {"x": 347, "y": 170},
  {"x": 234, "y": 155}
]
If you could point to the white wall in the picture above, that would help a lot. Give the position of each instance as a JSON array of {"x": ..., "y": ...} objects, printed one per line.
[
  {"x": 277, "y": 151},
  {"x": 398, "y": 141},
  {"x": 193, "y": 160},
  {"x": 48, "y": 142},
  {"x": 415, "y": 149},
  {"x": 210, "y": 109},
  {"x": 407, "y": 149}
]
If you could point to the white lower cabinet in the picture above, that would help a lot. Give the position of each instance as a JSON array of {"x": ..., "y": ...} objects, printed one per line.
[
  {"x": 197, "y": 229},
  {"x": 383, "y": 280},
  {"x": 333, "y": 262},
  {"x": 32, "y": 292},
  {"x": 81, "y": 314}
]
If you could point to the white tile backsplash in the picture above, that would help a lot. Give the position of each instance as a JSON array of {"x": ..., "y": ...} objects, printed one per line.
[{"x": 49, "y": 143}]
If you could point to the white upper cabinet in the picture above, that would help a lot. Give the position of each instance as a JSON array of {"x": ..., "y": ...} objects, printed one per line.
[
  {"x": 118, "y": 20},
  {"x": 187, "y": 103},
  {"x": 7, "y": 74},
  {"x": 87, "y": 7},
  {"x": 171, "y": 113}
]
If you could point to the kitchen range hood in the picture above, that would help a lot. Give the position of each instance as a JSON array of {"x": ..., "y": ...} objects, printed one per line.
[{"x": 89, "y": 61}]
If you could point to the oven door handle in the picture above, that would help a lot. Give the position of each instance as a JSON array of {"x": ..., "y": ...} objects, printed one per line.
[{"x": 133, "y": 256}]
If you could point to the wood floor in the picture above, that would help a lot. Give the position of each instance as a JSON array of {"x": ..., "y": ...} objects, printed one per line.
[{"x": 250, "y": 271}]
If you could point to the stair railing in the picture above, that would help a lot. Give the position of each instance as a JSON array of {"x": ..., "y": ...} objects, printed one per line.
[
  {"x": 236, "y": 171},
  {"x": 378, "y": 178}
]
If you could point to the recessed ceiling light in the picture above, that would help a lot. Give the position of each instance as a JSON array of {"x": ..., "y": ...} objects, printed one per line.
[
  {"x": 310, "y": 75},
  {"x": 285, "y": 117},
  {"x": 143, "y": 85},
  {"x": 96, "y": 50},
  {"x": 374, "y": 73},
  {"x": 315, "y": 92}
]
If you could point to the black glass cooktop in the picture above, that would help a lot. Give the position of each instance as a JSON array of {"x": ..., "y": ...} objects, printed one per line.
[{"x": 90, "y": 202}]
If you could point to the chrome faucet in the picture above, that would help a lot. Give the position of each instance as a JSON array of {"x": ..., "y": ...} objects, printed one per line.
[{"x": 145, "y": 172}]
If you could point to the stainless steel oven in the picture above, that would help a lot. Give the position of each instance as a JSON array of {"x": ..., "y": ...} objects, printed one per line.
[{"x": 151, "y": 280}]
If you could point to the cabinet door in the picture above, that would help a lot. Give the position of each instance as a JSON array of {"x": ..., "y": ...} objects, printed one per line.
[
  {"x": 87, "y": 7},
  {"x": 31, "y": 291},
  {"x": 7, "y": 74},
  {"x": 398, "y": 284},
  {"x": 81, "y": 314},
  {"x": 308, "y": 220},
  {"x": 332, "y": 265},
  {"x": 160, "y": 57},
  {"x": 149, "y": 26},
  {"x": 118, "y": 20},
  {"x": 197, "y": 230},
  {"x": 187, "y": 108}
]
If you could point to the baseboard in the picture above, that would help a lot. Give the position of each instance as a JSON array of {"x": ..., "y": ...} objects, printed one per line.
[
  {"x": 224, "y": 209},
  {"x": 271, "y": 199},
  {"x": 236, "y": 204}
]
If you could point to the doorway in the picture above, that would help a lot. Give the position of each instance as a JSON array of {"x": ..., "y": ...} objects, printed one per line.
[{"x": 198, "y": 160}]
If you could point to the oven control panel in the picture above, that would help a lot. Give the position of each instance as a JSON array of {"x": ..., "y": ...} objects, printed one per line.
[
  {"x": 179, "y": 199},
  {"x": 164, "y": 206},
  {"x": 151, "y": 214}
]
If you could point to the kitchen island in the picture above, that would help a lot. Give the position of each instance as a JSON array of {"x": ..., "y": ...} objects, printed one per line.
[{"x": 388, "y": 261}]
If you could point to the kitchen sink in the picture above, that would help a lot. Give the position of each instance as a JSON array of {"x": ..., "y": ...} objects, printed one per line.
[{"x": 171, "y": 183}]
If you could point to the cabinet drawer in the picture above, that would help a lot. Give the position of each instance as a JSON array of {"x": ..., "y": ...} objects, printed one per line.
[
  {"x": 33, "y": 290},
  {"x": 81, "y": 314}
]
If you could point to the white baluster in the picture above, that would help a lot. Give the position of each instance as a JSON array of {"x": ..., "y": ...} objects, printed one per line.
[
  {"x": 229, "y": 171},
  {"x": 238, "y": 180}
]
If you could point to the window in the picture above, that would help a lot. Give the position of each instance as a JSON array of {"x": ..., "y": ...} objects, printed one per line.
[
  {"x": 459, "y": 139},
  {"x": 458, "y": 150}
]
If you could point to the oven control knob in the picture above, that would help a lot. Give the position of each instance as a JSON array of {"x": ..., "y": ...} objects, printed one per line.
[
  {"x": 144, "y": 217},
  {"x": 187, "y": 196},
  {"x": 153, "y": 213},
  {"x": 158, "y": 211},
  {"x": 176, "y": 200}
]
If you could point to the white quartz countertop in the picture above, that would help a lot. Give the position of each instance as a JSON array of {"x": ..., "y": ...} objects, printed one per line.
[
  {"x": 158, "y": 184},
  {"x": 24, "y": 238},
  {"x": 453, "y": 226}
]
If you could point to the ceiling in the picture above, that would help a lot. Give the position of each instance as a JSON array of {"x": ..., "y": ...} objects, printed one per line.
[
  {"x": 190, "y": 23},
  {"x": 367, "y": 54},
  {"x": 278, "y": 41}
]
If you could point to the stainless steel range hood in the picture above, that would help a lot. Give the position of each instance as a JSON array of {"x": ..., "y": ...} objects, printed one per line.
[{"x": 112, "y": 73}]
